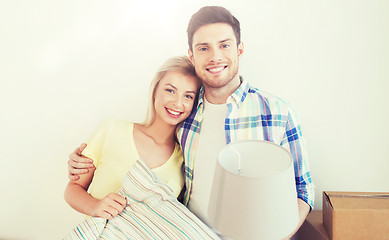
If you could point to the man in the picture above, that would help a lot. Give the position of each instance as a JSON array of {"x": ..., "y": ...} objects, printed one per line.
[{"x": 229, "y": 110}]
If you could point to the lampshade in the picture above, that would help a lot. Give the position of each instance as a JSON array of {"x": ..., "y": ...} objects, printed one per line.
[{"x": 254, "y": 193}]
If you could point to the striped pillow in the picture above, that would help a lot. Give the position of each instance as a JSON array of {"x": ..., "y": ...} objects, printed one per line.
[{"x": 152, "y": 212}]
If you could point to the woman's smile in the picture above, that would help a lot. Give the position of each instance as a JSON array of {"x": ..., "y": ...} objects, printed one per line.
[{"x": 173, "y": 113}]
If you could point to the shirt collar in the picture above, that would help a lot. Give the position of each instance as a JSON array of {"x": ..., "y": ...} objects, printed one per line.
[{"x": 240, "y": 93}]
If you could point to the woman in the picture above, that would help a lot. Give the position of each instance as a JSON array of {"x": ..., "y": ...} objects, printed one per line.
[{"x": 140, "y": 155}]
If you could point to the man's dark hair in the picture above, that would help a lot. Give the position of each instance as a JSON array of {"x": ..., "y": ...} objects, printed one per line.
[{"x": 210, "y": 15}]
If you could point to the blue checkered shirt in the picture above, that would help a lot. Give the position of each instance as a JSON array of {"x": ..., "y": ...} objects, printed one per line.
[{"x": 252, "y": 115}]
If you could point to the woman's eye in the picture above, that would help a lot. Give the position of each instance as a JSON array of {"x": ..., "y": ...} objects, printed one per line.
[
  {"x": 169, "y": 90},
  {"x": 189, "y": 96},
  {"x": 225, "y": 45},
  {"x": 202, "y": 49}
]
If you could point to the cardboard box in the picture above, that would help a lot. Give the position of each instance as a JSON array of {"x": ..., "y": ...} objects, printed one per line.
[
  {"x": 312, "y": 228},
  {"x": 356, "y": 215}
]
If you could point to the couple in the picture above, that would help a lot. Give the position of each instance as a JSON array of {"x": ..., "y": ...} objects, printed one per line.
[{"x": 228, "y": 110}]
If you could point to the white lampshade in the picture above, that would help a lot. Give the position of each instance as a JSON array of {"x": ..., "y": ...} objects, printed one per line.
[{"x": 254, "y": 193}]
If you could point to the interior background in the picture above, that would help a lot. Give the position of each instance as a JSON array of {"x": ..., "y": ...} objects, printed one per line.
[{"x": 67, "y": 65}]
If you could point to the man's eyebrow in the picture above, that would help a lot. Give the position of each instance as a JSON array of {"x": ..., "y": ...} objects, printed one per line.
[
  {"x": 201, "y": 44},
  {"x": 205, "y": 44},
  {"x": 226, "y": 40}
]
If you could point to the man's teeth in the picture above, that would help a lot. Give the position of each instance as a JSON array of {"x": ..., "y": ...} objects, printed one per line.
[
  {"x": 218, "y": 69},
  {"x": 173, "y": 112}
]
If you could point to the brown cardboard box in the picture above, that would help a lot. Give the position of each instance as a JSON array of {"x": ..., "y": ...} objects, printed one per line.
[
  {"x": 356, "y": 215},
  {"x": 312, "y": 228}
]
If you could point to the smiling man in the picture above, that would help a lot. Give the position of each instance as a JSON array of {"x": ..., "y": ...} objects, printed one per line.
[{"x": 231, "y": 110}]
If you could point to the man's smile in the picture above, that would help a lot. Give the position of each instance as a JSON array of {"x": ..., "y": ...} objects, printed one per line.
[{"x": 216, "y": 69}]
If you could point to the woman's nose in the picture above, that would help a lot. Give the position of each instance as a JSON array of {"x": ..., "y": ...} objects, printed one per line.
[{"x": 178, "y": 101}]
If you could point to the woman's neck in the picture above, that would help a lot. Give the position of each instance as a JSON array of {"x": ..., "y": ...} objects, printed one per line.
[{"x": 160, "y": 133}]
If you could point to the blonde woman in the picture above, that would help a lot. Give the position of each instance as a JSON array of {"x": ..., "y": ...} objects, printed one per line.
[
  {"x": 139, "y": 155},
  {"x": 116, "y": 145}
]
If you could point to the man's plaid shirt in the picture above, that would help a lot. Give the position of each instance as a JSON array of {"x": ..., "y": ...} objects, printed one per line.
[{"x": 251, "y": 115}]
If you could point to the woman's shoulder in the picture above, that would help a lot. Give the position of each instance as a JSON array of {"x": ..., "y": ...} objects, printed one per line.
[{"x": 111, "y": 129}]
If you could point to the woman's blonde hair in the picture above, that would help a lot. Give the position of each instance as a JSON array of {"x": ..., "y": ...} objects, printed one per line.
[{"x": 179, "y": 64}]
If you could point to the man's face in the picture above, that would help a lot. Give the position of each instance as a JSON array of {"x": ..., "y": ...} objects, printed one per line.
[{"x": 216, "y": 55}]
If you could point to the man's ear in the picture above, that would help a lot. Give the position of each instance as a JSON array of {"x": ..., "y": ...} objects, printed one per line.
[
  {"x": 190, "y": 55},
  {"x": 240, "y": 49}
]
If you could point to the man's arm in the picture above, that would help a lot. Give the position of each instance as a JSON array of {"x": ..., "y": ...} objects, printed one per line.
[
  {"x": 78, "y": 164},
  {"x": 304, "y": 186}
]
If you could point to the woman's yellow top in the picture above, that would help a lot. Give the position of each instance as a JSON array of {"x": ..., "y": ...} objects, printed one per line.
[{"x": 113, "y": 151}]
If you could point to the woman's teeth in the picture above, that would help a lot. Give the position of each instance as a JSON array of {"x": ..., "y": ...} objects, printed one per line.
[{"x": 171, "y": 111}]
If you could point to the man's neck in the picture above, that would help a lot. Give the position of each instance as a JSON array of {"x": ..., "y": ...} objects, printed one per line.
[{"x": 221, "y": 94}]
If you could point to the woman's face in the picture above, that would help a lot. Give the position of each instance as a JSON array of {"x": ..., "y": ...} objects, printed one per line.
[{"x": 174, "y": 97}]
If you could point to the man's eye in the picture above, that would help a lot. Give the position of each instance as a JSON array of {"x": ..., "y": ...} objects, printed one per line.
[
  {"x": 225, "y": 45},
  {"x": 203, "y": 49}
]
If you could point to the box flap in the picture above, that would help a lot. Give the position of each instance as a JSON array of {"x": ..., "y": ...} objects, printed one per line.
[{"x": 359, "y": 200}]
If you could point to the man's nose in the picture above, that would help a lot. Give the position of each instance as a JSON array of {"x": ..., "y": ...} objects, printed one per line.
[{"x": 216, "y": 55}]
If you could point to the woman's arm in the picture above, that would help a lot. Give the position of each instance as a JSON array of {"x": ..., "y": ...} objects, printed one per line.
[{"x": 78, "y": 198}]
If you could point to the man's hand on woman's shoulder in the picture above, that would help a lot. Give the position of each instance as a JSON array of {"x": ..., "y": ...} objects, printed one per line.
[{"x": 78, "y": 164}]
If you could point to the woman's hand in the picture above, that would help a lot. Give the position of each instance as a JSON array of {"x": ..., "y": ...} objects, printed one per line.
[{"x": 108, "y": 207}]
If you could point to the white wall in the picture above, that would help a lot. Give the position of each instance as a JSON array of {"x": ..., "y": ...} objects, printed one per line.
[{"x": 67, "y": 65}]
